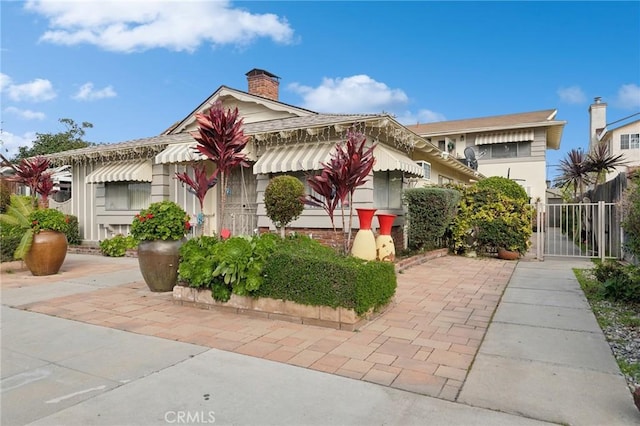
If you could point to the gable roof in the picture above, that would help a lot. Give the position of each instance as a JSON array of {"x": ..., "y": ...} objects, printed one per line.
[
  {"x": 223, "y": 91},
  {"x": 543, "y": 118}
]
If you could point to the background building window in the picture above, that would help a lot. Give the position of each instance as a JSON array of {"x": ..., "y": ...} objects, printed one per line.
[
  {"x": 387, "y": 190},
  {"x": 127, "y": 195},
  {"x": 443, "y": 180},
  {"x": 426, "y": 169},
  {"x": 505, "y": 150},
  {"x": 630, "y": 141}
]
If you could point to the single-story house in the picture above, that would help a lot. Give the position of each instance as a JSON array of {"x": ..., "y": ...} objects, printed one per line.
[{"x": 113, "y": 182}]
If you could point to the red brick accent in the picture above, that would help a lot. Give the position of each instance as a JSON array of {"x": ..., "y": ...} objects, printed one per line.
[
  {"x": 336, "y": 239},
  {"x": 263, "y": 85}
]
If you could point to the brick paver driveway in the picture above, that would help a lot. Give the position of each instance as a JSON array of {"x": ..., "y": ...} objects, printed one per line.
[{"x": 424, "y": 343}]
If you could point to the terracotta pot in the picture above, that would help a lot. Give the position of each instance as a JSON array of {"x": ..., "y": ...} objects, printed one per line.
[
  {"x": 159, "y": 261},
  {"x": 508, "y": 254},
  {"x": 364, "y": 244},
  {"x": 47, "y": 253},
  {"x": 385, "y": 248}
]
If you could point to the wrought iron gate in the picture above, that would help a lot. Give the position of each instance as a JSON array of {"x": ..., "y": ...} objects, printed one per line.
[{"x": 579, "y": 230}]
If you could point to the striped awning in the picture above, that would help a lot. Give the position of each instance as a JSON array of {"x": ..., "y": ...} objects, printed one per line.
[
  {"x": 296, "y": 158},
  {"x": 293, "y": 158},
  {"x": 388, "y": 159},
  {"x": 179, "y": 153},
  {"x": 139, "y": 171},
  {"x": 505, "y": 137}
]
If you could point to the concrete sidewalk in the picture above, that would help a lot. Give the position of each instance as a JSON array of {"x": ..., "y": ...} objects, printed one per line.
[{"x": 543, "y": 356}]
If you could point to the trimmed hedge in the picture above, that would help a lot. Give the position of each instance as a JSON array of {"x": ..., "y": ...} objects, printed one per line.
[
  {"x": 430, "y": 212},
  {"x": 303, "y": 271},
  {"x": 10, "y": 237},
  {"x": 73, "y": 233},
  {"x": 504, "y": 186}
]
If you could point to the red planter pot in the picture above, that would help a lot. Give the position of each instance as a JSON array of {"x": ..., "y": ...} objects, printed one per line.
[{"x": 364, "y": 244}]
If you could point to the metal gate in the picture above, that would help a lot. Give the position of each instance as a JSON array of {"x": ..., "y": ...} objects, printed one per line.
[{"x": 579, "y": 230}]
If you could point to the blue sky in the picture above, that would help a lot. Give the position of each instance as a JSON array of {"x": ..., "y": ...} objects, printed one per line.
[{"x": 133, "y": 68}]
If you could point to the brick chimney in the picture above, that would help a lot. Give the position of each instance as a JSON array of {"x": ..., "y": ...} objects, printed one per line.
[{"x": 263, "y": 83}]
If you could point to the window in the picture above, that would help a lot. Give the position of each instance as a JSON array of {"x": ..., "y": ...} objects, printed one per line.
[
  {"x": 442, "y": 145},
  {"x": 387, "y": 190},
  {"x": 630, "y": 141},
  {"x": 127, "y": 195},
  {"x": 443, "y": 180},
  {"x": 426, "y": 168},
  {"x": 506, "y": 150}
]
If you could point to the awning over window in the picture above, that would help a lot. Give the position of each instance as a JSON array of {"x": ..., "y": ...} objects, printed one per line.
[
  {"x": 139, "y": 171},
  {"x": 388, "y": 159},
  {"x": 293, "y": 158},
  {"x": 504, "y": 137},
  {"x": 179, "y": 153},
  {"x": 308, "y": 157}
]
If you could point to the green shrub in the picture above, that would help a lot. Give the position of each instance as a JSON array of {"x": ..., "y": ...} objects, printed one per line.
[
  {"x": 620, "y": 282},
  {"x": 430, "y": 212},
  {"x": 305, "y": 272},
  {"x": 10, "y": 237},
  {"x": 5, "y": 196},
  {"x": 73, "y": 232},
  {"x": 283, "y": 200},
  {"x": 197, "y": 262},
  {"x": 118, "y": 245},
  {"x": 487, "y": 220},
  {"x": 504, "y": 186},
  {"x": 607, "y": 269},
  {"x": 631, "y": 223}
]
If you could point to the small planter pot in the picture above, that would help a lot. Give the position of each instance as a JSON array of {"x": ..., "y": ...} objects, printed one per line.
[
  {"x": 508, "y": 254},
  {"x": 47, "y": 253},
  {"x": 364, "y": 244},
  {"x": 159, "y": 261}
]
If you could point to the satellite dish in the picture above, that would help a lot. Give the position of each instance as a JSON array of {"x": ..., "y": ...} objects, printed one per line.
[{"x": 470, "y": 156}]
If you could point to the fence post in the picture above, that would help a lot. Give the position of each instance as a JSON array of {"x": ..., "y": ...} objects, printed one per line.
[
  {"x": 540, "y": 231},
  {"x": 602, "y": 244}
]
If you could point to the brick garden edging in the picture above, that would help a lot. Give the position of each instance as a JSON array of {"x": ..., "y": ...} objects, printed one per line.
[{"x": 286, "y": 310}]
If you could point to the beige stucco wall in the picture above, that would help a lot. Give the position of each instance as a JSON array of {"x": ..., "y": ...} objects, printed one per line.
[{"x": 630, "y": 156}]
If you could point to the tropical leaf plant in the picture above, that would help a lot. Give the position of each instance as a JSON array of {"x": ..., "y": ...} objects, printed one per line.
[
  {"x": 18, "y": 214},
  {"x": 33, "y": 173},
  {"x": 221, "y": 139},
  {"x": 348, "y": 168},
  {"x": 574, "y": 171},
  {"x": 200, "y": 184}
]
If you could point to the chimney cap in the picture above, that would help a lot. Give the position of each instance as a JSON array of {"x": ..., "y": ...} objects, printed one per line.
[
  {"x": 258, "y": 71},
  {"x": 597, "y": 99}
]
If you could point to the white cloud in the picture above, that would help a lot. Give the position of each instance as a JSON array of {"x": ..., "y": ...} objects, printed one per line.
[
  {"x": 25, "y": 114},
  {"x": 9, "y": 143},
  {"x": 421, "y": 117},
  {"x": 572, "y": 95},
  {"x": 87, "y": 93},
  {"x": 355, "y": 94},
  {"x": 38, "y": 90},
  {"x": 629, "y": 96},
  {"x": 141, "y": 25}
]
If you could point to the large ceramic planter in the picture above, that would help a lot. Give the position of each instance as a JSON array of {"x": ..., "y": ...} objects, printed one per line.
[
  {"x": 505, "y": 254},
  {"x": 159, "y": 261},
  {"x": 385, "y": 247},
  {"x": 364, "y": 244},
  {"x": 47, "y": 253}
]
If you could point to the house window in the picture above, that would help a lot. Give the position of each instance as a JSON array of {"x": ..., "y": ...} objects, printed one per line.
[
  {"x": 387, "y": 190},
  {"x": 506, "y": 150},
  {"x": 630, "y": 141},
  {"x": 426, "y": 169},
  {"x": 442, "y": 145},
  {"x": 443, "y": 180},
  {"x": 127, "y": 195}
]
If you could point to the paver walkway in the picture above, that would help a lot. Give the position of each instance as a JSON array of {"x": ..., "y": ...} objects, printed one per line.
[{"x": 425, "y": 343}]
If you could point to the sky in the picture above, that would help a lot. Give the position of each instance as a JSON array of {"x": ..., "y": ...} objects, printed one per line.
[{"x": 133, "y": 68}]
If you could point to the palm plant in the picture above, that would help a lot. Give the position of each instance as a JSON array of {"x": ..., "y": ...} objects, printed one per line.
[
  {"x": 600, "y": 161},
  {"x": 221, "y": 139},
  {"x": 17, "y": 215},
  {"x": 575, "y": 171}
]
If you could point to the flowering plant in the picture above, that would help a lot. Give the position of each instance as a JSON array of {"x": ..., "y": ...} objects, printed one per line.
[
  {"x": 49, "y": 220},
  {"x": 164, "y": 220}
]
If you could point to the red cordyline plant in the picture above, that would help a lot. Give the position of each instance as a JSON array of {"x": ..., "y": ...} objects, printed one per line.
[
  {"x": 33, "y": 173},
  {"x": 221, "y": 139},
  {"x": 348, "y": 168},
  {"x": 200, "y": 184}
]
